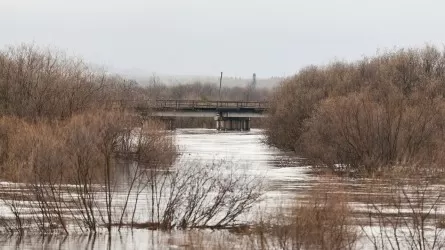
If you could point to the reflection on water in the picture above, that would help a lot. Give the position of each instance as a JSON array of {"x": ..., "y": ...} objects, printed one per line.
[
  {"x": 131, "y": 239},
  {"x": 281, "y": 173}
]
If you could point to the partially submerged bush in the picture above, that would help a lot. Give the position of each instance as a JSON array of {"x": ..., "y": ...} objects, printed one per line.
[
  {"x": 70, "y": 171},
  {"x": 403, "y": 214},
  {"x": 88, "y": 141},
  {"x": 66, "y": 165},
  {"x": 321, "y": 220},
  {"x": 377, "y": 112},
  {"x": 360, "y": 132},
  {"x": 195, "y": 195}
]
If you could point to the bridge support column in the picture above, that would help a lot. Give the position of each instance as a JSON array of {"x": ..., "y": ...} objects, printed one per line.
[{"x": 232, "y": 123}]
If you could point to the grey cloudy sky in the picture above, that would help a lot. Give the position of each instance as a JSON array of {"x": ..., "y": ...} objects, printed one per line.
[{"x": 204, "y": 37}]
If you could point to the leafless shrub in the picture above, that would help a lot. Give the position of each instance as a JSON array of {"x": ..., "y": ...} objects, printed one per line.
[
  {"x": 154, "y": 150},
  {"x": 40, "y": 82},
  {"x": 375, "y": 113},
  {"x": 323, "y": 220},
  {"x": 408, "y": 215},
  {"x": 65, "y": 165},
  {"x": 197, "y": 196},
  {"x": 12, "y": 200},
  {"x": 362, "y": 133}
]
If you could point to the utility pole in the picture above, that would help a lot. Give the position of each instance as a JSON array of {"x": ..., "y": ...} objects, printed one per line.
[
  {"x": 220, "y": 83},
  {"x": 250, "y": 87},
  {"x": 254, "y": 81}
]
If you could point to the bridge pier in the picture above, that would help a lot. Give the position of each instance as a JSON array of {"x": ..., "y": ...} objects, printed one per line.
[{"x": 232, "y": 123}]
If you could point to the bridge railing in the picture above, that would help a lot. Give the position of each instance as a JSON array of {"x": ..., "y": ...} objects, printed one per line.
[
  {"x": 193, "y": 104},
  {"x": 188, "y": 104}
]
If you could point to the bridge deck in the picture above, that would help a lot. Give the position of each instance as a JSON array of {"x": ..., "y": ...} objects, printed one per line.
[
  {"x": 229, "y": 115},
  {"x": 210, "y": 105}
]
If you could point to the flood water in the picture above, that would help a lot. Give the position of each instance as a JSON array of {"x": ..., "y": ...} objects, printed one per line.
[
  {"x": 285, "y": 182},
  {"x": 282, "y": 175}
]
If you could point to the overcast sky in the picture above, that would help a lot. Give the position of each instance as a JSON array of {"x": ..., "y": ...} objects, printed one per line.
[{"x": 204, "y": 37}]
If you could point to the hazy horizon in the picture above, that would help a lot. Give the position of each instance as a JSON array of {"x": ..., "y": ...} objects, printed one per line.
[{"x": 203, "y": 38}]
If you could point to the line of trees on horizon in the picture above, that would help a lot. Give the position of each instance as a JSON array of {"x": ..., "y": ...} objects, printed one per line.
[{"x": 155, "y": 88}]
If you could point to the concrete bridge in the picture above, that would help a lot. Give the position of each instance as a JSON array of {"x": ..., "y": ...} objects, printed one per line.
[{"x": 228, "y": 115}]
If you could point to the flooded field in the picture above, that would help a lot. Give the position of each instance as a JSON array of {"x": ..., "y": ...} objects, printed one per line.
[
  {"x": 284, "y": 181},
  {"x": 280, "y": 174}
]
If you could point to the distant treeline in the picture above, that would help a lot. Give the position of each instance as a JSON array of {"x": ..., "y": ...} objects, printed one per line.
[
  {"x": 379, "y": 112},
  {"x": 156, "y": 89}
]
